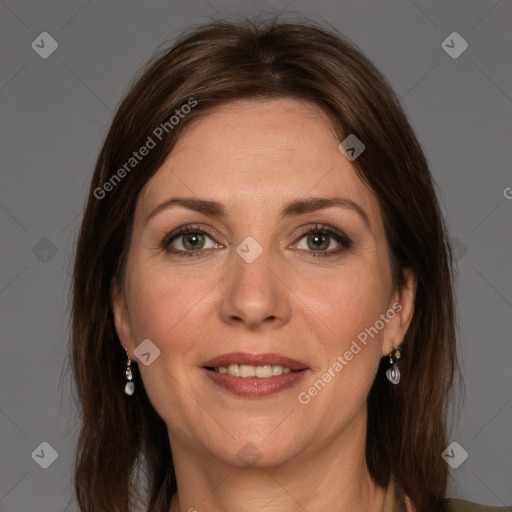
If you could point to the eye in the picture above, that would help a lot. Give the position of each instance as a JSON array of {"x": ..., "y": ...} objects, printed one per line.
[
  {"x": 320, "y": 238},
  {"x": 191, "y": 240},
  {"x": 188, "y": 241}
]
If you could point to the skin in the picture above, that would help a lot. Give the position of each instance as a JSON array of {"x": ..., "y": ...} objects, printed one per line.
[{"x": 254, "y": 156}]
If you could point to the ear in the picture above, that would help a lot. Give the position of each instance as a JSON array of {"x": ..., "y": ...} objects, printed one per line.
[
  {"x": 402, "y": 304},
  {"x": 122, "y": 318}
]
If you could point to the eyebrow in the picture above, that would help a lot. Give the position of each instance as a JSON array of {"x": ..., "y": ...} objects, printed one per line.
[{"x": 296, "y": 207}]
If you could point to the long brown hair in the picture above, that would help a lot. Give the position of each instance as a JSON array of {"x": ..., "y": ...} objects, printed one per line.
[{"x": 122, "y": 439}]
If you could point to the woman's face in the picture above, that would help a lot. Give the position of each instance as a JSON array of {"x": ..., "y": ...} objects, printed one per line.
[{"x": 249, "y": 280}]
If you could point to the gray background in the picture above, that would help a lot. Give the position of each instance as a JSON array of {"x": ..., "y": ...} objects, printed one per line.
[{"x": 55, "y": 113}]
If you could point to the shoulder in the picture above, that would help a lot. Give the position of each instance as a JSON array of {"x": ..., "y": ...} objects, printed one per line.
[{"x": 458, "y": 505}]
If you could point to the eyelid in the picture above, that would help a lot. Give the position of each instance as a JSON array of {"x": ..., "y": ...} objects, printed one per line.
[
  {"x": 326, "y": 228},
  {"x": 345, "y": 243},
  {"x": 189, "y": 228},
  {"x": 340, "y": 237}
]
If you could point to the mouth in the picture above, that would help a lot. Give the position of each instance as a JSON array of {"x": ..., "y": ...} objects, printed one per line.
[
  {"x": 254, "y": 375},
  {"x": 245, "y": 371}
]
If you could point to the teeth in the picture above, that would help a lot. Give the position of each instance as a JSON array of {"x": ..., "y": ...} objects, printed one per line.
[
  {"x": 264, "y": 371},
  {"x": 245, "y": 370},
  {"x": 276, "y": 369},
  {"x": 234, "y": 369}
]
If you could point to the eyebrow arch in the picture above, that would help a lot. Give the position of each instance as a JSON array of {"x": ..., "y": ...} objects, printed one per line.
[{"x": 296, "y": 207}]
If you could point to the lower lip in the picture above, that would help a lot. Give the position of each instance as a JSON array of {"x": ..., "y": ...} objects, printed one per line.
[{"x": 254, "y": 387}]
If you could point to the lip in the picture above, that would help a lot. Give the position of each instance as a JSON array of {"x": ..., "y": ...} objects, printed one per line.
[
  {"x": 254, "y": 360},
  {"x": 254, "y": 387}
]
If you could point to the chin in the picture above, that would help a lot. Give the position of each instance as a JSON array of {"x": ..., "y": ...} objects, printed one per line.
[{"x": 262, "y": 452}]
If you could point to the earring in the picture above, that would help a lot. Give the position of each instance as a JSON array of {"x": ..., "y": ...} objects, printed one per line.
[
  {"x": 130, "y": 386},
  {"x": 393, "y": 373}
]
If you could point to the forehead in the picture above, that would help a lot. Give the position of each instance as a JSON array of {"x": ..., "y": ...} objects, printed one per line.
[{"x": 258, "y": 154}]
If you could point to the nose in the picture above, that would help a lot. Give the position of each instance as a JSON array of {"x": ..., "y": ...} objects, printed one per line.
[{"x": 256, "y": 294}]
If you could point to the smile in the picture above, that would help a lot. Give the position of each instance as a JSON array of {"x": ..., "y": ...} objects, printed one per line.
[
  {"x": 245, "y": 370},
  {"x": 254, "y": 375}
]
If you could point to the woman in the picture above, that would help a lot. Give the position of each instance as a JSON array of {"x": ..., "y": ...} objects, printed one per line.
[{"x": 263, "y": 313}]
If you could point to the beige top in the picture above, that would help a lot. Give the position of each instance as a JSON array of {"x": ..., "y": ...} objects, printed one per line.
[{"x": 394, "y": 502}]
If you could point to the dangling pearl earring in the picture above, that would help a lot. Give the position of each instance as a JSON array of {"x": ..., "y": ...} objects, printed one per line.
[
  {"x": 393, "y": 373},
  {"x": 130, "y": 386}
]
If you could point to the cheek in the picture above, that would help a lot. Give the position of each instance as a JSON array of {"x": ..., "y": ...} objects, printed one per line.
[
  {"x": 161, "y": 302},
  {"x": 352, "y": 306},
  {"x": 162, "y": 310},
  {"x": 354, "y": 299}
]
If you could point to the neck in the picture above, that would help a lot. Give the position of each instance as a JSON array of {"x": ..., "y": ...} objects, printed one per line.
[{"x": 333, "y": 473}]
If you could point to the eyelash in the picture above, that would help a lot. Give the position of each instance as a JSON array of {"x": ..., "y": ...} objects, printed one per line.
[{"x": 339, "y": 236}]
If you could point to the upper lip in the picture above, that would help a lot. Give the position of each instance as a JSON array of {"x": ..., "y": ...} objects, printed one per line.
[{"x": 254, "y": 360}]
